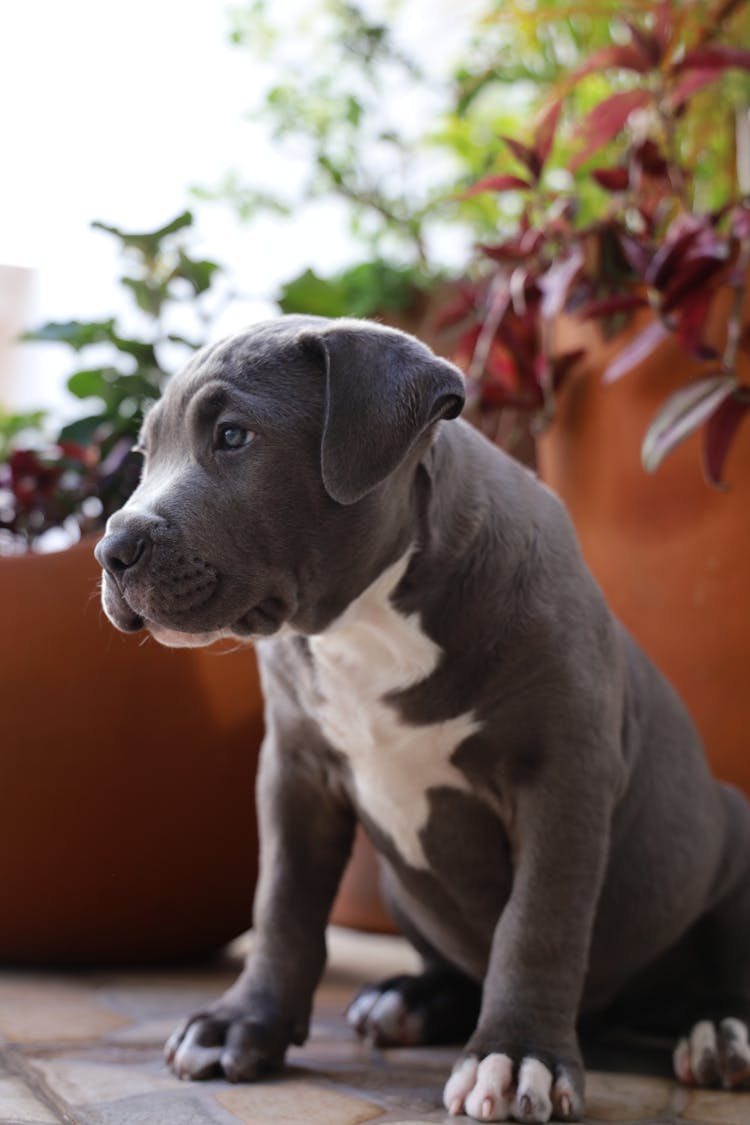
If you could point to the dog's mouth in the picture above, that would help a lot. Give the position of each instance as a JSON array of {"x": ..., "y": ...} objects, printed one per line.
[{"x": 179, "y": 631}]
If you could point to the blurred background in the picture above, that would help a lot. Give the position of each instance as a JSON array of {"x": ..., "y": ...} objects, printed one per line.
[
  {"x": 131, "y": 120},
  {"x": 466, "y": 169}
]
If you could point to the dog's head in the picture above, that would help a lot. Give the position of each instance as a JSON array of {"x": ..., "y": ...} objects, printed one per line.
[{"x": 277, "y": 481}]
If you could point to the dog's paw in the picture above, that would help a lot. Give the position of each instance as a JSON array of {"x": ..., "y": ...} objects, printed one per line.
[
  {"x": 714, "y": 1054},
  {"x": 439, "y": 1006},
  {"x": 496, "y": 1088},
  {"x": 226, "y": 1043}
]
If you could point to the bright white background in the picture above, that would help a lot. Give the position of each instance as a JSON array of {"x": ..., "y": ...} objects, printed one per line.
[{"x": 112, "y": 111}]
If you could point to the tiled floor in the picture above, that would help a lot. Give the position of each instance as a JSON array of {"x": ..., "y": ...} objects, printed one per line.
[{"x": 85, "y": 1048}]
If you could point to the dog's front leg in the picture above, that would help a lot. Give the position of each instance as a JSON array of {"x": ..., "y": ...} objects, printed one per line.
[
  {"x": 306, "y": 832},
  {"x": 523, "y": 1060}
]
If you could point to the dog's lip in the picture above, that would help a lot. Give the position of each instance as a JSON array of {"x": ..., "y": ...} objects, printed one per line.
[
  {"x": 266, "y": 617},
  {"x": 262, "y": 619}
]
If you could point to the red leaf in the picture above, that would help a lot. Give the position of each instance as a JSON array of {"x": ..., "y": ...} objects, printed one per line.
[
  {"x": 515, "y": 250},
  {"x": 606, "y": 120},
  {"x": 496, "y": 183},
  {"x": 692, "y": 318},
  {"x": 650, "y": 46},
  {"x": 466, "y": 346},
  {"x": 527, "y": 156},
  {"x": 690, "y": 85},
  {"x": 680, "y": 236},
  {"x": 555, "y": 283},
  {"x": 650, "y": 158},
  {"x": 626, "y": 57},
  {"x": 545, "y": 131},
  {"x": 664, "y": 25},
  {"x": 719, "y": 434},
  {"x": 612, "y": 179},
  {"x": 692, "y": 276},
  {"x": 609, "y": 306},
  {"x": 641, "y": 346},
  {"x": 718, "y": 56},
  {"x": 682, "y": 414},
  {"x": 635, "y": 254}
]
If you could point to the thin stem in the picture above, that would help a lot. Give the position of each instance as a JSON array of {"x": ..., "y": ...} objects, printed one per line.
[{"x": 734, "y": 321}]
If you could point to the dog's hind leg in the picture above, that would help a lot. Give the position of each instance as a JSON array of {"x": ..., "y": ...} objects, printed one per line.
[
  {"x": 439, "y": 1005},
  {"x": 716, "y": 1049}
]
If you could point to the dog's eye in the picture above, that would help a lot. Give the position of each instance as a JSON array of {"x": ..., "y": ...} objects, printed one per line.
[{"x": 232, "y": 437}]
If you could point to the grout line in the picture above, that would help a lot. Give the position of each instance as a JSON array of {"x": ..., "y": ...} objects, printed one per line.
[{"x": 18, "y": 1065}]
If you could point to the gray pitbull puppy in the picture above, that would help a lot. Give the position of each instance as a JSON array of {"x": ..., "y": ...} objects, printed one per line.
[{"x": 440, "y": 666}]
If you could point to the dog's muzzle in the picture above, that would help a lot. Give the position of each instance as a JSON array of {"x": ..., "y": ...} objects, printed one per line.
[{"x": 152, "y": 581}]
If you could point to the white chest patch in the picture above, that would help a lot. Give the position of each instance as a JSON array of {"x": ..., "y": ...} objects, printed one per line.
[{"x": 370, "y": 651}]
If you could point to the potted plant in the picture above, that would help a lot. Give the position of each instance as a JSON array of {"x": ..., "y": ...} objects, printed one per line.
[
  {"x": 127, "y": 828},
  {"x": 614, "y": 311}
]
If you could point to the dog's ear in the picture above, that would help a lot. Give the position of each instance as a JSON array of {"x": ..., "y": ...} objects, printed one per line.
[{"x": 384, "y": 390}]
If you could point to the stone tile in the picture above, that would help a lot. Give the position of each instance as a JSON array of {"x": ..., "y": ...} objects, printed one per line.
[
  {"x": 80, "y": 1082},
  {"x": 35, "y": 1008},
  {"x": 626, "y": 1097},
  {"x": 717, "y": 1107},
  {"x": 19, "y": 1104},
  {"x": 153, "y": 1033},
  {"x": 296, "y": 1101},
  {"x": 188, "y": 1105}
]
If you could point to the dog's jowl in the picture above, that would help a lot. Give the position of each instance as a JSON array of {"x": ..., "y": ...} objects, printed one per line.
[{"x": 439, "y": 665}]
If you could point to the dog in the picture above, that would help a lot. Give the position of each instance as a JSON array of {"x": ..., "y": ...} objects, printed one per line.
[{"x": 438, "y": 665}]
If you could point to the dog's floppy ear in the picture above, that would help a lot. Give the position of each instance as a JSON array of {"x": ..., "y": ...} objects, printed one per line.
[{"x": 384, "y": 389}]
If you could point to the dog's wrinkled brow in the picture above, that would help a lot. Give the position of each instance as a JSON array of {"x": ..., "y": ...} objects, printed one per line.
[{"x": 209, "y": 401}]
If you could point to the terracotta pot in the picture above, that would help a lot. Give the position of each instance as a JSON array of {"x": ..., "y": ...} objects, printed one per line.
[
  {"x": 127, "y": 824},
  {"x": 359, "y": 903},
  {"x": 670, "y": 552}
]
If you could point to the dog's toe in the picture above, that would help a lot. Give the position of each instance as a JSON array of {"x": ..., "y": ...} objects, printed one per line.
[
  {"x": 714, "y": 1054},
  {"x": 437, "y": 1006},
  {"x": 487, "y": 1091},
  {"x": 385, "y": 1018},
  {"x": 533, "y": 1101},
  {"x": 194, "y": 1052},
  {"x": 237, "y": 1046},
  {"x": 735, "y": 1052}
]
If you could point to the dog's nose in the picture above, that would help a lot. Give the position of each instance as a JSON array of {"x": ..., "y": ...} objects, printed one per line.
[{"x": 121, "y": 551}]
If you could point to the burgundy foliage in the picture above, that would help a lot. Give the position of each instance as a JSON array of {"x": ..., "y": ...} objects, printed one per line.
[{"x": 650, "y": 250}]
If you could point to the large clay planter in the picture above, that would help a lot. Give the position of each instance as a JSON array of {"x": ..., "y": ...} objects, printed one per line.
[
  {"x": 127, "y": 825},
  {"x": 671, "y": 553}
]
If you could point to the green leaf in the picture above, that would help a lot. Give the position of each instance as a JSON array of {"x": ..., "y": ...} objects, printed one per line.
[
  {"x": 200, "y": 273},
  {"x": 176, "y": 338},
  {"x": 145, "y": 384},
  {"x": 150, "y": 295},
  {"x": 94, "y": 382},
  {"x": 141, "y": 350},
  {"x": 13, "y": 425},
  {"x": 77, "y": 334},
  {"x": 310, "y": 293},
  {"x": 147, "y": 243},
  {"x": 362, "y": 290},
  {"x": 83, "y": 430}
]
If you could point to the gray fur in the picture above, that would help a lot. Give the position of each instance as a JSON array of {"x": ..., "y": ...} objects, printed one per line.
[{"x": 591, "y": 841}]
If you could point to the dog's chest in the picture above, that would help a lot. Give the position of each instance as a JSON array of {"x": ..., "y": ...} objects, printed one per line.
[{"x": 370, "y": 653}]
